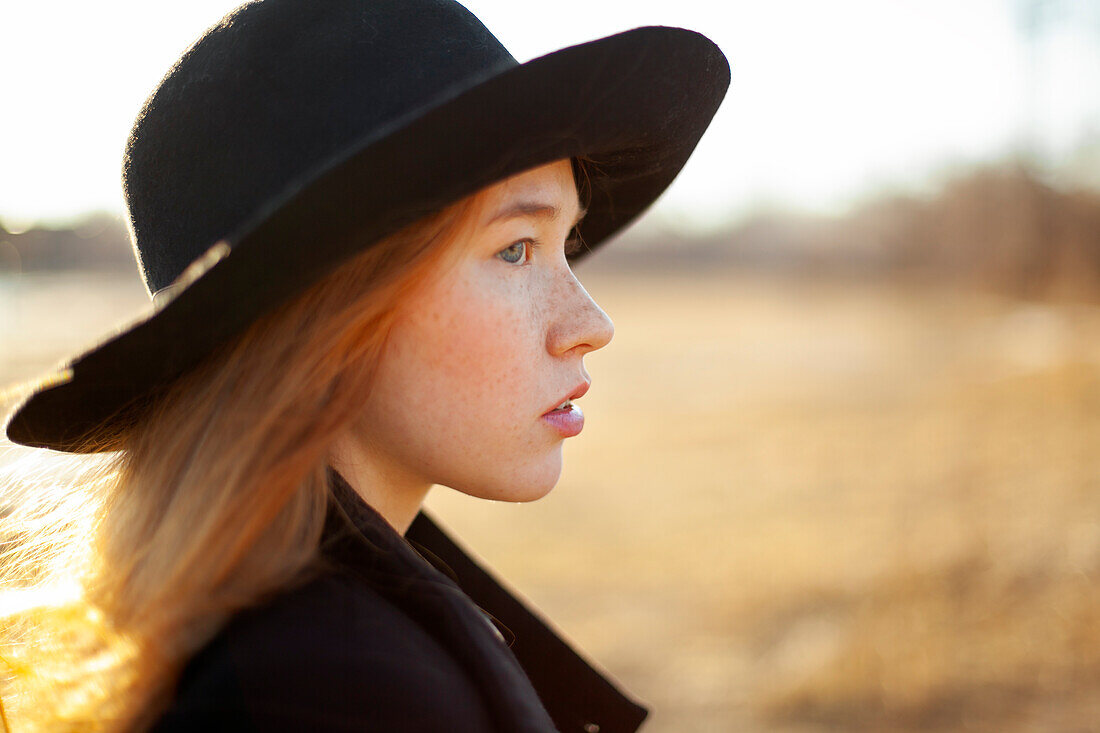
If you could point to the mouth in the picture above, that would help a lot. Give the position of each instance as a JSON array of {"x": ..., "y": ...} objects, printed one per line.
[
  {"x": 566, "y": 405},
  {"x": 566, "y": 419}
]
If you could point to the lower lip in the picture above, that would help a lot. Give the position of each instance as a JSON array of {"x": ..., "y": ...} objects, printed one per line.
[{"x": 567, "y": 422}]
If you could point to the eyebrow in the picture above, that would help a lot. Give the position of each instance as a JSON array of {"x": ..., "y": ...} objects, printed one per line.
[{"x": 534, "y": 209}]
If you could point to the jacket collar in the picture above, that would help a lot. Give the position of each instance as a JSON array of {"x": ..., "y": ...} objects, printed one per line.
[{"x": 435, "y": 581}]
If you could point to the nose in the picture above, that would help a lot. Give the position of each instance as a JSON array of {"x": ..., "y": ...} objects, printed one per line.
[{"x": 578, "y": 324}]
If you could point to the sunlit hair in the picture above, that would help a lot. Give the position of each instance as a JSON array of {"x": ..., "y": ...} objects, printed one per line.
[{"x": 216, "y": 499}]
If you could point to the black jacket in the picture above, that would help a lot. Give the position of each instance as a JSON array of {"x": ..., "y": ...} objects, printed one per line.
[{"x": 396, "y": 634}]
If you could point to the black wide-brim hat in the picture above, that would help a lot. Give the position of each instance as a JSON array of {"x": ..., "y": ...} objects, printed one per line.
[{"x": 296, "y": 132}]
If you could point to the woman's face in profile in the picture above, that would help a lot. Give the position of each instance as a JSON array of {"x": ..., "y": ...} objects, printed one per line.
[{"x": 477, "y": 359}]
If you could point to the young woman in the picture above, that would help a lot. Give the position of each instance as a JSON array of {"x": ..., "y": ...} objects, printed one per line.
[{"x": 357, "y": 221}]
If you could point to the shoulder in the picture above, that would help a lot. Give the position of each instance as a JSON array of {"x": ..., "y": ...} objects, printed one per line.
[{"x": 333, "y": 655}]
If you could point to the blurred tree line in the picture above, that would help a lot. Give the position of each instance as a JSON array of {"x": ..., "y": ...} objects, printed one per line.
[
  {"x": 1000, "y": 227},
  {"x": 97, "y": 242}
]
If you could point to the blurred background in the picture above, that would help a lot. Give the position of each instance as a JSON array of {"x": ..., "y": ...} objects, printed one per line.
[{"x": 841, "y": 469}]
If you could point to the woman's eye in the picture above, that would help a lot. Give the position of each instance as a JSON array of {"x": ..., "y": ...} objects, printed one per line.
[{"x": 516, "y": 253}]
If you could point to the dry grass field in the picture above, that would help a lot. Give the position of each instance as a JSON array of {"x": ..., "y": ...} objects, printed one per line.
[{"x": 796, "y": 506}]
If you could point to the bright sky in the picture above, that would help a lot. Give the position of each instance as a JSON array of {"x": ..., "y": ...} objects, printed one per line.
[{"x": 829, "y": 100}]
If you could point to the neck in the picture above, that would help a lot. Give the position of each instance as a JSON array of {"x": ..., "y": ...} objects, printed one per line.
[{"x": 395, "y": 496}]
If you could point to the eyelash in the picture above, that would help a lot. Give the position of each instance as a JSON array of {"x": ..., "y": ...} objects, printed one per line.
[{"x": 573, "y": 245}]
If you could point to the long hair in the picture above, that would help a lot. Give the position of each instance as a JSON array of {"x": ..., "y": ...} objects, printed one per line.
[{"x": 214, "y": 500}]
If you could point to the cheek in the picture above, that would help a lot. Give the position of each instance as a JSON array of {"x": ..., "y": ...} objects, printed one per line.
[{"x": 469, "y": 353}]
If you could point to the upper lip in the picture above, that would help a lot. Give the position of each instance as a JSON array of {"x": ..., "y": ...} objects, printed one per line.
[{"x": 576, "y": 394}]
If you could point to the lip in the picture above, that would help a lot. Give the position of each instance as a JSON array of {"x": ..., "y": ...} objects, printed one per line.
[
  {"x": 567, "y": 423},
  {"x": 578, "y": 392}
]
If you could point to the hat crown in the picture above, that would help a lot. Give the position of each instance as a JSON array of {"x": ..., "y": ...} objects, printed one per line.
[{"x": 277, "y": 91}]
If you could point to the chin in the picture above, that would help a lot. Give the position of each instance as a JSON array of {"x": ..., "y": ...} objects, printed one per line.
[{"x": 521, "y": 485}]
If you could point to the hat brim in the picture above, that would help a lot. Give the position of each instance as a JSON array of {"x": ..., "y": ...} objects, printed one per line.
[{"x": 637, "y": 102}]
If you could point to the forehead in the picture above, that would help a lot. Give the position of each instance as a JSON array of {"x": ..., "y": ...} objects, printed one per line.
[{"x": 547, "y": 185}]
